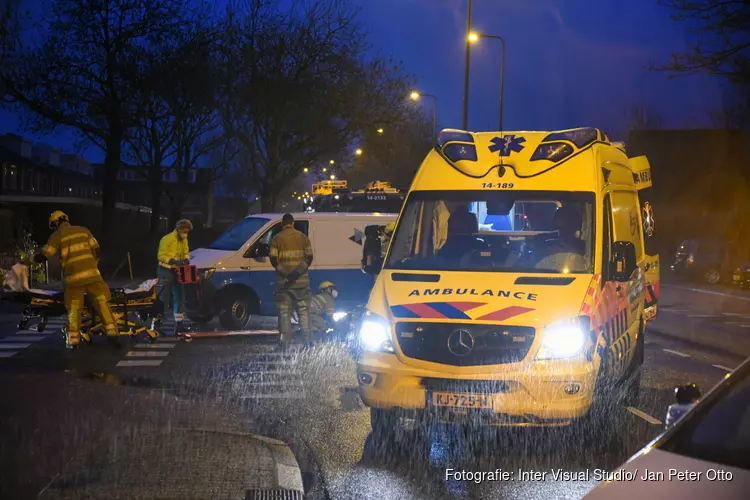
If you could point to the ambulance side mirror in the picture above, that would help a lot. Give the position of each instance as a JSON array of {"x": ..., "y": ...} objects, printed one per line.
[{"x": 623, "y": 261}]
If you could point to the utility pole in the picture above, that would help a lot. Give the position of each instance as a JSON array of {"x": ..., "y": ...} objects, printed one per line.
[{"x": 466, "y": 71}]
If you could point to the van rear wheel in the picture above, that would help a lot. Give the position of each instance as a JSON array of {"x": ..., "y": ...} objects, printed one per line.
[{"x": 237, "y": 312}]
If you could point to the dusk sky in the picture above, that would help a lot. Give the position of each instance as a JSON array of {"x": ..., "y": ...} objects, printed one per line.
[{"x": 570, "y": 63}]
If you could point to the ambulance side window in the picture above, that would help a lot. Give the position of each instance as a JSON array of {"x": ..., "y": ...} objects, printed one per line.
[{"x": 607, "y": 237}]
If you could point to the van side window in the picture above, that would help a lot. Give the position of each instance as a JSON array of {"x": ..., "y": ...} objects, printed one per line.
[
  {"x": 299, "y": 225},
  {"x": 607, "y": 237}
]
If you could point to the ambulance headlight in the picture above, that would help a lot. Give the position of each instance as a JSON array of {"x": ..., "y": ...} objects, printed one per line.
[
  {"x": 375, "y": 334},
  {"x": 338, "y": 316},
  {"x": 565, "y": 339}
]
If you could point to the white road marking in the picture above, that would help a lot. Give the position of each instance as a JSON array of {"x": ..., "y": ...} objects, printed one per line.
[
  {"x": 276, "y": 395},
  {"x": 741, "y": 324},
  {"x": 701, "y": 315},
  {"x": 645, "y": 416},
  {"x": 143, "y": 362},
  {"x": 676, "y": 353},
  {"x": 25, "y": 338},
  {"x": 722, "y": 367},
  {"x": 710, "y": 292},
  {"x": 7, "y": 354},
  {"x": 737, "y": 315},
  {"x": 13, "y": 346},
  {"x": 147, "y": 354},
  {"x": 163, "y": 345}
]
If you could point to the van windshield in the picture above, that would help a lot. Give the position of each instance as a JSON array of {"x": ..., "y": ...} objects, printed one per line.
[
  {"x": 236, "y": 236},
  {"x": 500, "y": 231}
]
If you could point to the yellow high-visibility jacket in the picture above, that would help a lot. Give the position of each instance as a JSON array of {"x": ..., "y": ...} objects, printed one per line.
[{"x": 172, "y": 247}]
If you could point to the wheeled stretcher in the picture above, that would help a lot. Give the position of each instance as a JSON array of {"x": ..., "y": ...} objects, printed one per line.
[{"x": 142, "y": 303}]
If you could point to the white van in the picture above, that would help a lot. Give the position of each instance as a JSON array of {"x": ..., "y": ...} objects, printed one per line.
[{"x": 239, "y": 281}]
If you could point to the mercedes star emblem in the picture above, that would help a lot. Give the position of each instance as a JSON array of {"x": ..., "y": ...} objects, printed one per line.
[{"x": 460, "y": 342}]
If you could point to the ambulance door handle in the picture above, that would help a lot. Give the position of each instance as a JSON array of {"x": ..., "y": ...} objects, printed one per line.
[{"x": 246, "y": 268}]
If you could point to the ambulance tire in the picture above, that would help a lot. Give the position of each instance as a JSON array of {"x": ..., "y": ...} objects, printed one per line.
[{"x": 712, "y": 276}]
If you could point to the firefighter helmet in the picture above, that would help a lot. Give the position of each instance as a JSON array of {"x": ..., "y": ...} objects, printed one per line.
[
  {"x": 326, "y": 284},
  {"x": 390, "y": 227},
  {"x": 56, "y": 218}
]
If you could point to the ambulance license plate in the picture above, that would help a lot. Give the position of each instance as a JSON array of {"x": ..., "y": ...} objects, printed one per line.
[{"x": 461, "y": 400}]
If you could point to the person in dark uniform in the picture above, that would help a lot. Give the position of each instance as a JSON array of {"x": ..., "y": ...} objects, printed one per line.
[{"x": 291, "y": 255}]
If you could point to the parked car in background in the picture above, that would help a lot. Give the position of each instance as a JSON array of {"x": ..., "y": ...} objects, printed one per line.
[
  {"x": 741, "y": 276},
  {"x": 709, "y": 261}
]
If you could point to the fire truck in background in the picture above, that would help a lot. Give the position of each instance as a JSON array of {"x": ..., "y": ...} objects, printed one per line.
[{"x": 335, "y": 196}]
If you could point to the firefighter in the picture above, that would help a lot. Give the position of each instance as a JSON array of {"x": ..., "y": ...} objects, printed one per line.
[
  {"x": 291, "y": 255},
  {"x": 322, "y": 307},
  {"x": 79, "y": 256},
  {"x": 173, "y": 253}
]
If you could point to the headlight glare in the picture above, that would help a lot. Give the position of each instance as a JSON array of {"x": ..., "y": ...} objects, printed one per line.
[
  {"x": 338, "y": 316},
  {"x": 563, "y": 340},
  {"x": 375, "y": 334}
]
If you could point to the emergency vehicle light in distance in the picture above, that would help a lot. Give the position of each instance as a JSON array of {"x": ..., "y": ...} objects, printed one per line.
[
  {"x": 581, "y": 137},
  {"x": 450, "y": 135},
  {"x": 553, "y": 151}
]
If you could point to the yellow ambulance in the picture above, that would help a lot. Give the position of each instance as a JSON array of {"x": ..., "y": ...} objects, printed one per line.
[{"x": 516, "y": 287}]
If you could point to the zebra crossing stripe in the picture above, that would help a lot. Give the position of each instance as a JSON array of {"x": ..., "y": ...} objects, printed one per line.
[
  {"x": 8, "y": 354},
  {"x": 26, "y": 338},
  {"x": 13, "y": 346},
  {"x": 140, "y": 362},
  {"x": 147, "y": 354}
]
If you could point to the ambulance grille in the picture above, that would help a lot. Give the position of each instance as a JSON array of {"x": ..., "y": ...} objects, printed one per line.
[{"x": 481, "y": 345}]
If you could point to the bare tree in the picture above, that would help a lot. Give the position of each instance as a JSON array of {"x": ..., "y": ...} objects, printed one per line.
[
  {"x": 722, "y": 46},
  {"x": 299, "y": 88},
  {"x": 642, "y": 117},
  {"x": 734, "y": 113},
  {"x": 82, "y": 72}
]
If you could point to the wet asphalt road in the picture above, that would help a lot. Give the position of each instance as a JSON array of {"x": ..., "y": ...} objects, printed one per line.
[{"x": 701, "y": 333}]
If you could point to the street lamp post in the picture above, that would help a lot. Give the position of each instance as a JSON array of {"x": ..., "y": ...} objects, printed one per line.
[
  {"x": 474, "y": 37},
  {"x": 466, "y": 70},
  {"x": 415, "y": 96}
]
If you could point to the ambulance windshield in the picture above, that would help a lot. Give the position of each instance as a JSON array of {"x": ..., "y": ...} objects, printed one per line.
[{"x": 503, "y": 231}]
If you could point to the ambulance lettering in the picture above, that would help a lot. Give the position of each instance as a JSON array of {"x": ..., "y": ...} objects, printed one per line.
[{"x": 473, "y": 291}]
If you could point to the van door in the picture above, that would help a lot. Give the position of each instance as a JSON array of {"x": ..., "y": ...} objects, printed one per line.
[
  {"x": 630, "y": 296},
  {"x": 338, "y": 258},
  {"x": 262, "y": 274}
]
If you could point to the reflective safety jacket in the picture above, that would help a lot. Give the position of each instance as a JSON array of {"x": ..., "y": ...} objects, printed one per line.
[
  {"x": 322, "y": 306},
  {"x": 172, "y": 247},
  {"x": 293, "y": 252},
  {"x": 78, "y": 250}
]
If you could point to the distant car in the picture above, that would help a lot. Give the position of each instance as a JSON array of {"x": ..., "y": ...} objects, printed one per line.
[
  {"x": 705, "y": 454},
  {"x": 741, "y": 276},
  {"x": 708, "y": 261}
]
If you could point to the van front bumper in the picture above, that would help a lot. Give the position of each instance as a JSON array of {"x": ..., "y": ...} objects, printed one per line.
[{"x": 543, "y": 393}]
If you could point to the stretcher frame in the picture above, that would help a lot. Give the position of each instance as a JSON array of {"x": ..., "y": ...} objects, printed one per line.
[{"x": 147, "y": 308}]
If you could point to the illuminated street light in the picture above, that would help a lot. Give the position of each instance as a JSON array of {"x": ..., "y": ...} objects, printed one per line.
[
  {"x": 380, "y": 131},
  {"x": 415, "y": 96},
  {"x": 473, "y": 38},
  {"x": 305, "y": 170},
  {"x": 358, "y": 152},
  {"x": 333, "y": 177},
  {"x": 325, "y": 170},
  {"x": 332, "y": 162}
]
